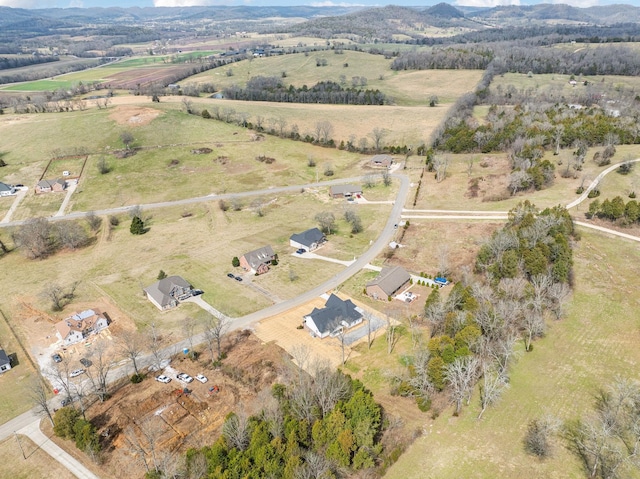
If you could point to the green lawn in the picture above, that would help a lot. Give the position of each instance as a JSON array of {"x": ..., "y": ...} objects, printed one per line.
[{"x": 591, "y": 346}]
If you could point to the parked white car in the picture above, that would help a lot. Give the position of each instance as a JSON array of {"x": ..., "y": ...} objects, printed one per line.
[
  {"x": 163, "y": 379},
  {"x": 185, "y": 377},
  {"x": 76, "y": 372},
  {"x": 202, "y": 378}
]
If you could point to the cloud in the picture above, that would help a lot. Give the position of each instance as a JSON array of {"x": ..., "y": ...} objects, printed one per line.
[
  {"x": 76, "y": 4},
  {"x": 27, "y": 3},
  {"x": 486, "y": 3}
]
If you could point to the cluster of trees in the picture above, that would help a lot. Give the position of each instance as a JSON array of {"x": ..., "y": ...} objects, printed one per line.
[
  {"x": 69, "y": 423},
  {"x": 38, "y": 238},
  {"x": 615, "y": 59},
  {"x": 58, "y": 68},
  {"x": 545, "y": 126},
  {"x": 315, "y": 426},
  {"x": 25, "y": 60},
  {"x": 615, "y": 210},
  {"x": 526, "y": 269},
  {"x": 273, "y": 89}
]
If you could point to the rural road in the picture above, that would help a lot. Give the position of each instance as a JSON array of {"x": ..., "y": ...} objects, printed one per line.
[
  {"x": 28, "y": 422},
  {"x": 197, "y": 199}
]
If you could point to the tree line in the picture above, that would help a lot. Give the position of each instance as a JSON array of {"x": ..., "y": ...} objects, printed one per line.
[
  {"x": 25, "y": 60},
  {"x": 524, "y": 275},
  {"x": 613, "y": 59},
  {"x": 318, "y": 425},
  {"x": 273, "y": 89},
  {"x": 624, "y": 214}
]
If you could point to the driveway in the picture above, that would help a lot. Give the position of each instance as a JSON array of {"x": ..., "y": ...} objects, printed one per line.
[
  {"x": 14, "y": 206},
  {"x": 199, "y": 300},
  {"x": 72, "y": 187}
]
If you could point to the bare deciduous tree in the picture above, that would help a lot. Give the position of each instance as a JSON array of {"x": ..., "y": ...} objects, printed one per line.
[
  {"x": 70, "y": 234},
  {"x": 131, "y": 344},
  {"x": 38, "y": 393},
  {"x": 377, "y": 135},
  {"x": 34, "y": 238},
  {"x": 461, "y": 376},
  {"x": 494, "y": 382},
  {"x": 189, "y": 326},
  {"x": 236, "y": 431},
  {"x": 558, "y": 294},
  {"x": 94, "y": 221},
  {"x": 126, "y": 137},
  {"x": 329, "y": 387},
  {"x": 440, "y": 164},
  {"x": 58, "y": 295},
  {"x": 153, "y": 340},
  {"x": 326, "y": 220},
  {"x": 98, "y": 373},
  {"x": 214, "y": 330}
]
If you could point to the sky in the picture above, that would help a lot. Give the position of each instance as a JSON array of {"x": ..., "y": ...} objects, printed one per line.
[{"x": 188, "y": 3}]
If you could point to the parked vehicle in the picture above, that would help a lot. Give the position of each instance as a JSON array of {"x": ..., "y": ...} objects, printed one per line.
[
  {"x": 202, "y": 378},
  {"x": 163, "y": 379},
  {"x": 231, "y": 275},
  {"x": 56, "y": 358},
  {"x": 238, "y": 278},
  {"x": 185, "y": 377},
  {"x": 196, "y": 292},
  {"x": 301, "y": 251},
  {"x": 441, "y": 281},
  {"x": 76, "y": 372},
  {"x": 66, "y": 401},
  {"x": 85, "y": 362}
]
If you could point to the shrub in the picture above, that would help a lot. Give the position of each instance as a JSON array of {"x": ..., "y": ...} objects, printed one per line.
[
  {"x": 114, "y": 221},
  {"x": 137, "y": 378},
  {"x": 162, "y": 275},
  {"x": 594, "y": 193},
  {"x": 424, "y": 403},
  {"x": 235, "y": 262},
  {"x": 536, "y": 439}
]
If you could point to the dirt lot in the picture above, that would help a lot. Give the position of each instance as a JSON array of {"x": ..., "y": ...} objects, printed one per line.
[
  {"x": 39, "y": 327},
  {"x": 131, "y": 115},
  {"x": 174, "y": 421},
  {"x": 282, "y": 330}
]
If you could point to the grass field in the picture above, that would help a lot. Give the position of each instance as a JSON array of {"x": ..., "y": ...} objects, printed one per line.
[
  {"x": 560, "y": 83},
  {"x": 587, "y": 349},
  {"x": 198, "y": 247},
  {"x": 454, "y": 193},
  {"x": 38, "y": 465},
  {"x": 14, "y": 384},
  {"x": 406, "y": 88}
]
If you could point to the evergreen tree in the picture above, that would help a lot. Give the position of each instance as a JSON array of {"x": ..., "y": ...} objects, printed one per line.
[{"x": 137, "y": 226}]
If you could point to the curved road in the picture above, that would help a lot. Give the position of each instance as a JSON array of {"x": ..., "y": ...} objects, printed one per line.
[{"x": 28, "y": 423}]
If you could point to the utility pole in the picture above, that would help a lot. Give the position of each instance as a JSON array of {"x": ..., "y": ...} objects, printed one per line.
[{"x": 19, "y": 444}]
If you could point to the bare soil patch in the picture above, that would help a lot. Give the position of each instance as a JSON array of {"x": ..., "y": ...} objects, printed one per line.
[
  {"x": 187, "y": 420},
  {"x": 131, "y": 115}
]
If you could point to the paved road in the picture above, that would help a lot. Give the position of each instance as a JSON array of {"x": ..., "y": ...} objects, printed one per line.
[
  {"x": 198, "y": 199},
  {"x": 14, "y": 206}
]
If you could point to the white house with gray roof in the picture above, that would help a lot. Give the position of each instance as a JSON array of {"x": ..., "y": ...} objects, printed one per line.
[
  {"x": 6, "y": 190},
  {"x": 5, "y": 362},
  {"x": 168, "y": 292},
  {"x": 391, "y": 281},
  {"x": 308, "y": 240},
  {"x": 336, "y": 315}
]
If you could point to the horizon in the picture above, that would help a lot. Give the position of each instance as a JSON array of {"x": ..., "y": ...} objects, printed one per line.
[{"x": 44, "y": 4}]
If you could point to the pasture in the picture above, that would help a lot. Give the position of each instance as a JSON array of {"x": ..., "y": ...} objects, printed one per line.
[
  {"x": 406, "y": 88},
  {"x": 197, "y": 242},
  {"x": 593, "y": 344},
  {"x": 38, "y": 464}
]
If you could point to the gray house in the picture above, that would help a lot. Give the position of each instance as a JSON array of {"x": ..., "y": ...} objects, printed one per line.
[
  {"x": 168, "y": 292},
  {"x": 345, "y": 191},
  {"x": 5, "y": 362},
  {"x": 6, "y": 190},
  {"x": 308, "y": 240},
  {"x": 389, "y": 282},
  {"x": 336, "y": 315}
]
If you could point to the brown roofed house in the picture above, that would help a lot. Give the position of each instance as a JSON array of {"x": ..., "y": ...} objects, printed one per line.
[
  {"x": 345, "y": 191},
  {"x": 77, "y": 327},
  {"x": 389, "y": 282},
  {"x": 381, "y": 161},
  {"x": 258, "y": 261},
  {"x": 47, "y": 186}
]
